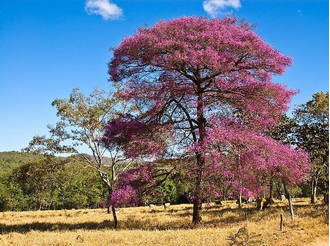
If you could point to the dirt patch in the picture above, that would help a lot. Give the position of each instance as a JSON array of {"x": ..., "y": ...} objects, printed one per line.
[{"x": 321, "y": 242}]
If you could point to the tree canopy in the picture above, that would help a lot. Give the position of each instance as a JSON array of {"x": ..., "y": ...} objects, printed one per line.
[
  {"x": 312, "y": 135},
  {"x": 202, "y": 79}
]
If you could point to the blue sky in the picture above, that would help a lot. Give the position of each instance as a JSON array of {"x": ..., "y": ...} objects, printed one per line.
[{"x": 49, "y": 47}]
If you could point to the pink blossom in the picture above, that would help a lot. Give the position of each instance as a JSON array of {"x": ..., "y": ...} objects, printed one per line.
[
  {"x": 209, "y": 84},
  {"x": 132, "y": 185}
]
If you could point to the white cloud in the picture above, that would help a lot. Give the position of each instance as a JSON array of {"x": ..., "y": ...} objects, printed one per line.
[
  {"x": 104, "y": 8},
  {"x": 212, "y": 7}
]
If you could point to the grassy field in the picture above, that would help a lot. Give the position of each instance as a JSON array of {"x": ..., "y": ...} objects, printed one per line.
[{"x": 139, "y": 226}]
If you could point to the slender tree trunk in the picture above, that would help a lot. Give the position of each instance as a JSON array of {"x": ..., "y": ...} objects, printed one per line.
[
  {"x": 106, "y": 180},
  {"x": 291, "y": 206},
  {"x": 279, "y": 192},
  {"x": 114, "y": 216},
  {"x": 326, "y": 198},
  {"x": 288, "y": 196},
  {"x": 113, "y": 210},
  {"x": 314, "y": 188},
  {"x": 258, "y": 202},
  {"x": 240, "y": 200},
  {"x": 271, "y": 189},
  {"x": 240, "y": 193}
]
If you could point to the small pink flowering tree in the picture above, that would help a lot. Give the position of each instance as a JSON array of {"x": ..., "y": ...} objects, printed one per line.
[
  {"x": 137, "y": 138},
  {"x": 135, "y": 183},
  {"x": 250, "y": 160},
  {"x": 190, "y": 73}
]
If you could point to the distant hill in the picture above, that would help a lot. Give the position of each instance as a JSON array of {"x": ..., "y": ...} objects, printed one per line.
[
  {"x": 106, "y": 160},
  {"x": 11, "y": 159}
]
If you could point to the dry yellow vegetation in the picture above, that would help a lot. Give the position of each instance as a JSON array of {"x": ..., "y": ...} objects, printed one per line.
[{"x": 140, "y": 226}]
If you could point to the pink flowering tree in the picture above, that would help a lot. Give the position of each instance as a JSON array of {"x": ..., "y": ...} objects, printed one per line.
[
  {"x": 137, "y": 138},
  {"x": 191, "y": 73},
  {"x": 136, "y": 183},
  {"x": 251, "y": 161}
]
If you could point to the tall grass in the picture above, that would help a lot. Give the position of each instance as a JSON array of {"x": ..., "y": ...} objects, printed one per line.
[{"x": 140, "y": 226}]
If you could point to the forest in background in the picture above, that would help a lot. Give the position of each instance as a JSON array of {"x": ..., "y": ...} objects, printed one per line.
[{"x": 37, "y": 182}]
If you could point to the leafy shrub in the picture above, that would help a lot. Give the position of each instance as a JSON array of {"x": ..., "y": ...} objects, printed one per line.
[{"x": 244, "y": 238}]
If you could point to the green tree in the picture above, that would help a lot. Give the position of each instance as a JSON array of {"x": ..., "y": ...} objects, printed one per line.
[
  {"x": 38, "y": 181},
  {"x": 80, "y": 186},
  {"x": 12, "y": 196},
  {"x": 313, "y": 136},
  {"x": 285, "y": 131},
  {"x": 82, "y": 121},
  {"x": 167, "y": 192}
]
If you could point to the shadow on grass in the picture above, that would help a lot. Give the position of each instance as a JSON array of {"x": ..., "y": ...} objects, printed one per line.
[
  {"x": 160, "y": 209},
  {"x": 223, "y": 217},
  {"x": 39, "y": 226},
  {"x": 312, "y": 210},
  {"x": 130, "y": 224}
]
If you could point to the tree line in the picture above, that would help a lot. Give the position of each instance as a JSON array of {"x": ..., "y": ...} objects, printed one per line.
[{"x": 51, "y": 183}]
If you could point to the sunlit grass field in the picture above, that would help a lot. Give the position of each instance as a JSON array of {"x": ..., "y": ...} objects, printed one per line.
[{"x": 140, "y": 226}]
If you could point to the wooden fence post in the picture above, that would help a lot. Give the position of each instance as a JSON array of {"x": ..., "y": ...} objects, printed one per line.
[{"x": 281, "y": 224}]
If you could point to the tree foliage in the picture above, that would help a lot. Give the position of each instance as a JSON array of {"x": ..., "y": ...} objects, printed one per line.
[
  {"x": 51, "y": 183},
  {"x": 196, "y": 77},
  {"x": 82, "y": 122},
  {"x": 313, "y": 136}
]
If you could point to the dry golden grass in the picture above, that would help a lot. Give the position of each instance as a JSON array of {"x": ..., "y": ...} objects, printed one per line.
[{"x": 139, "y": 226}]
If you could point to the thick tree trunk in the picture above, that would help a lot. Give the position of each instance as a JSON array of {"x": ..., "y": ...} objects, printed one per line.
[
  {"x": 197, "y": 211},
  {"x": 288, "y": 196},
  {"x": 200, "y": 156},
  {"x": 314, "y": 188},
  {"x": 197, "y": 202}
]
